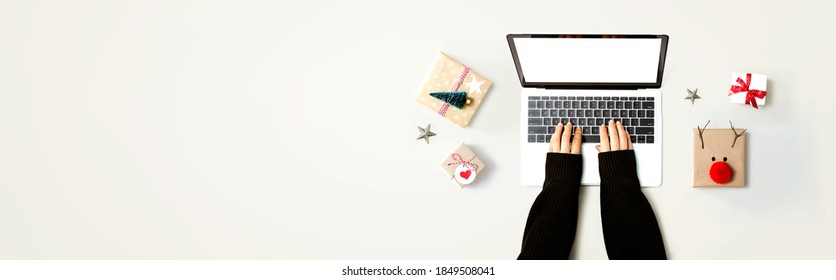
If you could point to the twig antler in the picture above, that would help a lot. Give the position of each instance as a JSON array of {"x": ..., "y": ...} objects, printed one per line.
[
  {"x": 735, "y": 134},
  {"x": 702, "y": 142}
]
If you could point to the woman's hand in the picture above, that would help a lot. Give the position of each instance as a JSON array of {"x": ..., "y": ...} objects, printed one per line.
[
  {"x": 614, "y": 138},
  {"x": 560, "y": 140}
]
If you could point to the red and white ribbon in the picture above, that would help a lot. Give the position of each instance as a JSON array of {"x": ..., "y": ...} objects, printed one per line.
[{"x": 457, "y": 160}]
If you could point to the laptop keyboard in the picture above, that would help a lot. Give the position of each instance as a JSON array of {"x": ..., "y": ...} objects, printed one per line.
[{"x": 637, "y": 114}]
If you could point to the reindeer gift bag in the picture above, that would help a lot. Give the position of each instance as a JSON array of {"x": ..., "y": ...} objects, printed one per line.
[{"x": 719, "y": 157}]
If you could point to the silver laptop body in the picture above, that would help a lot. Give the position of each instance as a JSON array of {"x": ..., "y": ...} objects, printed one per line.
[{"x": 590, "y": 79}]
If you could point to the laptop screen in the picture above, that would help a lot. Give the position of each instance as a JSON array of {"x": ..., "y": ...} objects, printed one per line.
[{"x": 589, "y": 60}]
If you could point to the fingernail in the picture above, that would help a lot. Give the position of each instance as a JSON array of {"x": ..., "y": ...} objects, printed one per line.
[
  {"x": 618, "y": 123},
  {"x": 560, "y": 124},
  {"x": 569, "y": 123}
]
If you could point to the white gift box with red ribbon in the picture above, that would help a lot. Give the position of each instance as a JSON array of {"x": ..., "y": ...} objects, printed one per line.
[{"x": 748, "y": 88}]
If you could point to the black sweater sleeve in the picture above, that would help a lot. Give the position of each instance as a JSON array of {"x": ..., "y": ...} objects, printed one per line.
[
  {"x": 630, "y": 227},
  {"x": 552, "y": 221}
]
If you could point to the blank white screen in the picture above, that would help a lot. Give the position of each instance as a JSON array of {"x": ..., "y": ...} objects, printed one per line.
[{"x": 589, "y": 60}]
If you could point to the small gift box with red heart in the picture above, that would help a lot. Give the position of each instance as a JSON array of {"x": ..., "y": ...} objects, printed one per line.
[
  {"x": 748, "y": 88},
  {"x": 462, "y": 166}
]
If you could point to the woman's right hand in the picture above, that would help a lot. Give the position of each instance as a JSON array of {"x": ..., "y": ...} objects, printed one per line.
[{"x": 614, "y": 138}]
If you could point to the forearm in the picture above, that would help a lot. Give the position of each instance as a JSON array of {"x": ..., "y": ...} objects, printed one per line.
[
  {"x": 552, "y": 222},
  {"x": 629, "y": 224}
]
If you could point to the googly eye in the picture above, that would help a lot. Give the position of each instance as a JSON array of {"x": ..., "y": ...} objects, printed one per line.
[
  {"x": 725, "y": 159},
  {"x": 712, "y": 158}
]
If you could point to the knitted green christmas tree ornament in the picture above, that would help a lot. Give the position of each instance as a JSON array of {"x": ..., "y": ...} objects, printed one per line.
[{"x": 456, "y": 99}]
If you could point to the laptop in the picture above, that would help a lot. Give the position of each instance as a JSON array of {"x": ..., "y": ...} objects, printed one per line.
[{"x": 588, "y": 80}]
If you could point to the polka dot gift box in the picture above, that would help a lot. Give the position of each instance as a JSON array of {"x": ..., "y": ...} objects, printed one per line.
[{"x": 452, "y": 90}]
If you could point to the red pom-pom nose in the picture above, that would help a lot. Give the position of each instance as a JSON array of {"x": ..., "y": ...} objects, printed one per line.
[{"x": 720, "y": 172}]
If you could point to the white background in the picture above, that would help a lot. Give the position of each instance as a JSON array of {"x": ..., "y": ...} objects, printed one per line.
[{"x": 286, "y": 130}]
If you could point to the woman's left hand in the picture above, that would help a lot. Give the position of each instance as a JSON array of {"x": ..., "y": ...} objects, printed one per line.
[{"x": 560, "y": 140}]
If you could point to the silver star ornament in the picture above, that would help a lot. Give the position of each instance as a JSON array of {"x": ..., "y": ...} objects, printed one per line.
[
  {"x": 692, "y": 95},
  {"x": 425, "y": 133}
]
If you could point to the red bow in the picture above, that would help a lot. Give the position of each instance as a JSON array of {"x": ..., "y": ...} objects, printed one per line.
[{"x": 751, "y": 94}]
